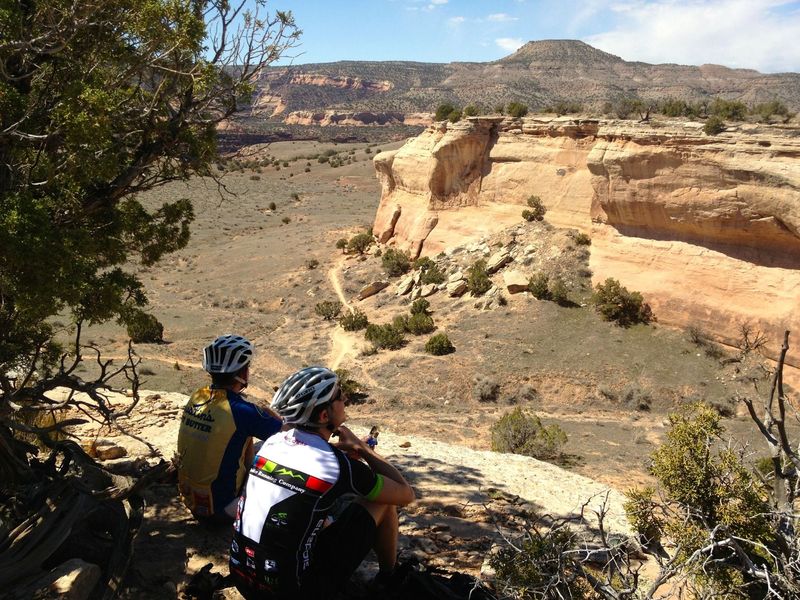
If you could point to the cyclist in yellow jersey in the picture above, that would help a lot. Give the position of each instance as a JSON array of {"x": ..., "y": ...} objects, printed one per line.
[{"x": 215, "y": 439}]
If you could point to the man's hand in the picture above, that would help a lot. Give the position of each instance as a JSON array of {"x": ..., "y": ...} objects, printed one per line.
[{"x": 349, "y": 443}]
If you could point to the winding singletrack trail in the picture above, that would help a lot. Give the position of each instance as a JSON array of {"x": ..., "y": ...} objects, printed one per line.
[{"x": 343, "y": 344}]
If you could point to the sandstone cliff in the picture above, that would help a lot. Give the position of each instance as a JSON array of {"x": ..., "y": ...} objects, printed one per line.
[{"x": 708, "y": 228}]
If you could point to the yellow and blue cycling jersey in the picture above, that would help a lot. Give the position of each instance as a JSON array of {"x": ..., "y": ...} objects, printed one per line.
[{"x": 217, "y": 427}]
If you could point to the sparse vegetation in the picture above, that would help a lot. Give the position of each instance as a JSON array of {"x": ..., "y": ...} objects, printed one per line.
[
  {"x": 538, "y": 286},
  {"x": 520, "y": 432},
  {"x": 485, "y": 389},
  {"x": 537, "y": 209},
  {"x": 349, "y": 386},
  {"x": 360, "y": 242},
  {"x": 144, "y": 328},
  {"x": 273, "y": 206},
  {"x": 429, "y": 271},
  {"x": 516, "y": 109},
  {"x": 439, "y": 345},
  {"x": 478, "y": 282},
  {"x": 311, "y": 264},
  {"x": 420, "y": 306},
  {"x": 444, "y": 110},
  {"x": 559, "y": 293},
  {"x": 615, "y": 303},
  {"x": 328, "y": 309},
  {"x": 420, "y": 323},
  {"x": 714, "y": 125},
  {"x": 395, "y": 262},
  {"x": 341, "y": 244},
  {"x": 354, "y": 320},
  {"x": 385, "y": 337},
  {"x": 286, "y": 220}
]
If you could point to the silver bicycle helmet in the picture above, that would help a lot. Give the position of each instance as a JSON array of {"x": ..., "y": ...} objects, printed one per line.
[
  {"x": 297, "y": 397},
  {"x": 227, "y": 354}
]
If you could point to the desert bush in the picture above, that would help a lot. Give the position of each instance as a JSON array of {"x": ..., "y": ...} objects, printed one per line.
[
  {"x": 286, "y": 220},
  {"x": 485, "y": 389},
  {"x": 322, "y": 159},
  {"x": 454, "y": 116},
  {"x": 714, "y": 125},
  {"x": 420, "y": 306},
  {"x": 520, "y": 432},
  {"x": 311, "y": 264},
  {"x": 478, "y": 282},
  {"x": 432, "y": 274},
  {"x": 349, "y": 385},
  {"x": 385, "y": 337},
  {"x": 439, "y": 345},
  {"x": 615, "y": 303},
  {"x": 537, "y": 209},
  {"x": 328, "y": 309},
  {"x": 294, "y": 196},
  {"x": 255, "y": 177},
  {"x": 500, "y": 109},
  {"x": 470, "y": 110},
  {"x": 443, "y": 111},
  {"x": 354, "y": 320},
  {"x": 400, "y": 322},
  {"x": 728, "y": 109},
  {"x": 144, "y": 328},
  {"x": 559, "y": 293},
  {"x": 635, "y": 397},
  {"x": 516, "y": 109},
  {"x": 765, "y": 111},
  {"x": 360, "y": 242},
  {"x": 395, "y": 262},
  {"x": 341, "y": 244},
  {"x": 273, "y": 206},
  {"x": 420, "y": 323},
  {"x": 538, "y": 286},
  {"x": 307, "y": 170},
  {"x": 582, "y": 239}
]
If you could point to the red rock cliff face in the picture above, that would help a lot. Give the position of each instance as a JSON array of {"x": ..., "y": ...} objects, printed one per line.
[{"x": 707, "y": 228}]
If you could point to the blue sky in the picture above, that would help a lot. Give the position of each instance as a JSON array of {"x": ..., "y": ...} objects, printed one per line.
[{"x": 757, "y": 34}]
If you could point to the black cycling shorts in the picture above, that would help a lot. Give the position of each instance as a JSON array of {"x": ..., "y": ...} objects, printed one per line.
[{"x": 339, "y": 550}]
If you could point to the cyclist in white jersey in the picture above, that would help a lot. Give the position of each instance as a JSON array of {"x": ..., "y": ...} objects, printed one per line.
[{"x": 295, "y": 535}]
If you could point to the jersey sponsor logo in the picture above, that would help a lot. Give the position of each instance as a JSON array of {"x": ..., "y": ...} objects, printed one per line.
[
  {"x": 234, "y": 547},
  {"x": 192, "y": 424},
  {"x": 281, "y": 475},
  {"x": 281, "y": 519},
  {"x": 270, "y": 566},
  {"x": 251, "y": 564},
  {"x": 235, "y": 561},
  {"x": 249, "y": 551},
  {"x": 288, "y": 473},
  {"x": 198, "y": 413},
  {"x": 309, "y": 544}
]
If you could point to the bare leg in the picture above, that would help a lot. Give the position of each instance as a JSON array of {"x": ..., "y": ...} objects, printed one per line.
[{"x": 385, "y": 516}]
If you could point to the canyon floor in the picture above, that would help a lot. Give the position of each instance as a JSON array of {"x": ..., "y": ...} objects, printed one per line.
[{"x": 248, "y": 269}]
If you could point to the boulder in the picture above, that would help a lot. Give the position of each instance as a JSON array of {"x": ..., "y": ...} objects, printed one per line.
[
  {"x": 457, "y": 276},
  {"x": 515, "y": 281},
  {"x": 372, "y": 288},
  {"x": 498, "y": 260},
  {"x": 427, "y": 290},
  {"x": 405, "y": 285},
  {"x": 108, "y": 450},
  {"x": 456, "y": 288},
  {"x": 72, "y": 580},
  {"x": 416, "y": 293}
]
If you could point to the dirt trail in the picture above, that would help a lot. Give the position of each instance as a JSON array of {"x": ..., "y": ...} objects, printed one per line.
[{"x": 342, "y": 343}]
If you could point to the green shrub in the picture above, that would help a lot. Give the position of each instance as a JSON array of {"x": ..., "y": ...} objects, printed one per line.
[
  {"x": 470, "y": 110},
  {"x": 519, "y": 432},
  {"x": 347, "y": 384},
  {"x": 423, "y": 263},
  {"x": 386, "y": 336},
  {"x": 582, "y": 239},
  {"x": 615, "y": 303},
  {"x": 395, "y": 262},
  {"x": 144, "y": 328},
  {"x": 354, "y": 320},
  {"x": 432, "y": 274},
  {"x": 559, "y": 293},
  {"x": 538, "y": 286},
  {"x": 485, "y": 389},
  {"x": 273, "y": 206},
  {"x": 400, "y": 322},
  {"x": 312, "y": 264},
  {"x": 728, "y": 109},
  {"x": 454, "y": 116},
  {"x": 341, "y": 244},
  {"x": 286, "y": 220},
  {"x": 443, "y": 111},
  {"x": 360, "y": 242},
  {"x": 419, "y": 323},
  {"x": 714, "y": 125},
  {"x": 439, "y": 345},
  {"x": 478, "y": 282},
  {"x": 328, "y": 309},
  {"x": 766, "y": 110},
  {"x": 516, "y": 109},
  {"x": 537, "y": 209},
  {"x": 420, "y": 306}
]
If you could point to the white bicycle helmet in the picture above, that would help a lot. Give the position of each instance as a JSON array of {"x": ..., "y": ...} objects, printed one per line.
[
  {"x": 227, "y": 354},
  {"x": 297, "y": 397}
]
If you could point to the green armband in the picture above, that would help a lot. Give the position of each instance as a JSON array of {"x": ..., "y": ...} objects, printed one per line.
[{"x": 376, "y": 489}]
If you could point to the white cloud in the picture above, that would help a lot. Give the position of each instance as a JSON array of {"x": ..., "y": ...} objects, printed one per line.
[
  {"x": 439, "y": 1},
  {"x": 509, "y": 44},
  {"x": 501, "y": 18},
  {"x": 736, "y": 33},
  {"x": 456, "y": 20}
]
